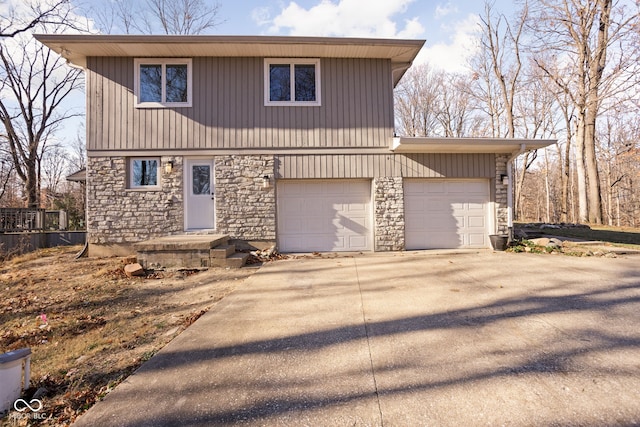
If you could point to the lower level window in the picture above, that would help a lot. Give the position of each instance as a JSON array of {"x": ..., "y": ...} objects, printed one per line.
[{"x": 144, "y": 172}]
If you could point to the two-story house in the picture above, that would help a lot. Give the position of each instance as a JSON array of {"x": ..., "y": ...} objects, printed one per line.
[{"x": 285, "y": 140}]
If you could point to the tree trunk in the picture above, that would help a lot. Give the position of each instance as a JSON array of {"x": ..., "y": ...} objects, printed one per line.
[
  {"x": 596, "y": 68},
  {"x": 31, "y": 185},
  {"x": 547, "y": 188},
  {"x": 580, "y": 170}
]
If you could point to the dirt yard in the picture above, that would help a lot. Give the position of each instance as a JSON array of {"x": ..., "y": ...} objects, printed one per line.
[{"x": 89, "y": 326}]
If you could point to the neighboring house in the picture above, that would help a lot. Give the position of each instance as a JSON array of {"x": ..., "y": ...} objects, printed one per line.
[{"x": 274, "y": 139}]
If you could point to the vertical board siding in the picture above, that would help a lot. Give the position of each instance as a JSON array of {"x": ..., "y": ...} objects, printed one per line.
[
  {"x": 228, "y": 108},
  {"x": 305, "y": 166}
]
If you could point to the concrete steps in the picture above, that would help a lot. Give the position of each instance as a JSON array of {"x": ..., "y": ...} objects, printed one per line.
[{"x": 189, "y": 251}]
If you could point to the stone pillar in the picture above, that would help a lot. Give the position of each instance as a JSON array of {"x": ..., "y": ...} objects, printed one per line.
[
  {"x": 502, "y": 211},
  {"x": 245, "y": 209},
  {"x": 389, "y": 213}
]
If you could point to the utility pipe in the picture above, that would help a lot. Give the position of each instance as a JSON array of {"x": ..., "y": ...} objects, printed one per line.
[{"x": 523, "y": 147}]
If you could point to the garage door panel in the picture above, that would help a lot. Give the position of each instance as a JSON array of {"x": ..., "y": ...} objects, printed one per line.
[
  {"x": 446, "y": 214},
  {"x": 456, "y": 188},
  {"x": 476, "y": 239},
  {"x": 328, "y": 216},
  {"x": 460, "y": 221},
  {"x": 478, "y": 187},
  {"x": 477, "y": 222}
]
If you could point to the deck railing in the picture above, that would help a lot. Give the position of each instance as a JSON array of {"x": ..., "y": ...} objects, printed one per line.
[{"x": 25, "y": 220}]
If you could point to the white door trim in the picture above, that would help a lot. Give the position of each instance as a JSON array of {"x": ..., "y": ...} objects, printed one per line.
[{"x": 187, "y": 181}]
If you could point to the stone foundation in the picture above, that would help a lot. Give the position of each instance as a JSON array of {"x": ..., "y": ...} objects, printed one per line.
[{"x": 120, "y": 216}]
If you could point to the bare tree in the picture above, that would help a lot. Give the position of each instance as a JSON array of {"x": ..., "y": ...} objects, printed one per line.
[
  {"x": 185, "y": 16},
  {"x": 158, "y": 16},
  {"x": 35, "y": 82},
  {"x": 456, "y": 108},
  {"x": 591, "y": 36},
  {"x": 502, "y": 48},
  {"x": 33, "y": 13},
  {"x": 416, "y": 101},
  {"x": 6, "y": 172},
  {"x": 117, "y": 16},
  {"x": 55, "y": 164}
]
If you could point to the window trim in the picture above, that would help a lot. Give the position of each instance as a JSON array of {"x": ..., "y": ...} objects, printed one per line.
[
  {"x": 291, "y": 62},
  {"x": 131, "y": 185},
  {"x": 163, "y": 62}
]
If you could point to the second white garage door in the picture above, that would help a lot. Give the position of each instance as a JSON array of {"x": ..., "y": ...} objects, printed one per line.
[
  {"x": 332, "y": 215},
  {"x": 441, "y": 214}
]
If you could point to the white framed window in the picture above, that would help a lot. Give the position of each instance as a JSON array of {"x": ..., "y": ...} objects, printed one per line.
[
  {"x": 162, "y": 82},
  {"x": 292, "y": 82},
  {"x": 144, "y": 173}
]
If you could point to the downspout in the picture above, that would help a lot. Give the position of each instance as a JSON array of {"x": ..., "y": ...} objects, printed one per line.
[{"x": 523, "y": 147}]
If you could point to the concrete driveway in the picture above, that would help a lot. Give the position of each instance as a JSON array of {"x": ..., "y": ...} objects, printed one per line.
[{"x": 403, "y": 339}]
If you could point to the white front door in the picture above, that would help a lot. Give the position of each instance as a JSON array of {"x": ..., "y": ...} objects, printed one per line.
[{"x": 199, "y": 194}]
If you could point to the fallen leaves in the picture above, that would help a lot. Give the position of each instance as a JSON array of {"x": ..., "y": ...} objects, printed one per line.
[{"x": 89, "y": 326}]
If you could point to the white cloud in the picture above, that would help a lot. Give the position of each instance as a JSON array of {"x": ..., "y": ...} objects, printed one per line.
[
  {"x": 452, "y": 55},
  {"x": 261, "y": 16},
  {"x": 444, "y": 10},
  {"x": 348, "y": 18}
]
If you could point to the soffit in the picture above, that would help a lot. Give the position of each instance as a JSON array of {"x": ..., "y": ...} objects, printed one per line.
[
  {"x": 408, "y": 145},
  {"x": 76, "y": 48}
]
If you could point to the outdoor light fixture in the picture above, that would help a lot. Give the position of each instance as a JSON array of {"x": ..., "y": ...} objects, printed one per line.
[
  {"x": 504, "y": 179},
  {"x": 265, "y": 181},
  {"x": 168, "y": 167}
]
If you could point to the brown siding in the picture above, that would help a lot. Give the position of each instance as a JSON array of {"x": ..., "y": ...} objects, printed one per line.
[
  {"x": 228, "y": 109},
  {"x": 381, "y": 165}
]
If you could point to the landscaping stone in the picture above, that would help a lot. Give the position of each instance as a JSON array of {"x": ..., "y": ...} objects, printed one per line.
[
  {"x": 133, "y": 270},
  {"x": 542, "y": 241}
]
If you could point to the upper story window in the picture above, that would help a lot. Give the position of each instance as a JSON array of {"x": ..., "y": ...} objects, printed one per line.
[
  {"x": 162, "y": 82},
  {"x": 292, "y": 81}
]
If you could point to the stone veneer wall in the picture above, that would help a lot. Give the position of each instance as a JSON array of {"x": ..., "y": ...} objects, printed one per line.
[
  {"x": 389, "y": 213},
  {"x": 502, "y": 210},
  {"x": 121, "y": 216},
  {"x": 244, "y": 208}
]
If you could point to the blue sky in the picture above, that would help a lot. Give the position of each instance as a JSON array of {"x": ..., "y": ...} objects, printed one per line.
[{"x": 449, "y": 26}]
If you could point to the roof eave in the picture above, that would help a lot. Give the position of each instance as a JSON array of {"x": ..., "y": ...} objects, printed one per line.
[
  {"x": 416, "y": 145},
  {"x": 76, "y": 48}
]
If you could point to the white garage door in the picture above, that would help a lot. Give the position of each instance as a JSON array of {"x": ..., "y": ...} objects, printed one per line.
[
  {"x": 330, "y": 215},
  {"x": 442, "y": 214}
]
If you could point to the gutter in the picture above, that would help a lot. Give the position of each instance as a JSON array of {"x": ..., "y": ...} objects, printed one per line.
[{"x": 515, "y": 154}]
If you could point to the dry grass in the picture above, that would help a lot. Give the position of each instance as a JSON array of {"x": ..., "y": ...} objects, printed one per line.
[{"x": 89, "y": 326}]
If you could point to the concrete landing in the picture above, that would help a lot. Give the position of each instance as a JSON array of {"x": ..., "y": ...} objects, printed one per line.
[{"x": 189, "y": 251}]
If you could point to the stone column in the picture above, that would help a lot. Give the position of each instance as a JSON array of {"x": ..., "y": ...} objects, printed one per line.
[
  {"x": 388, "y": 213},
  {"x": 245, "y": 209},
  {"x": 502, "y": 211}
]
